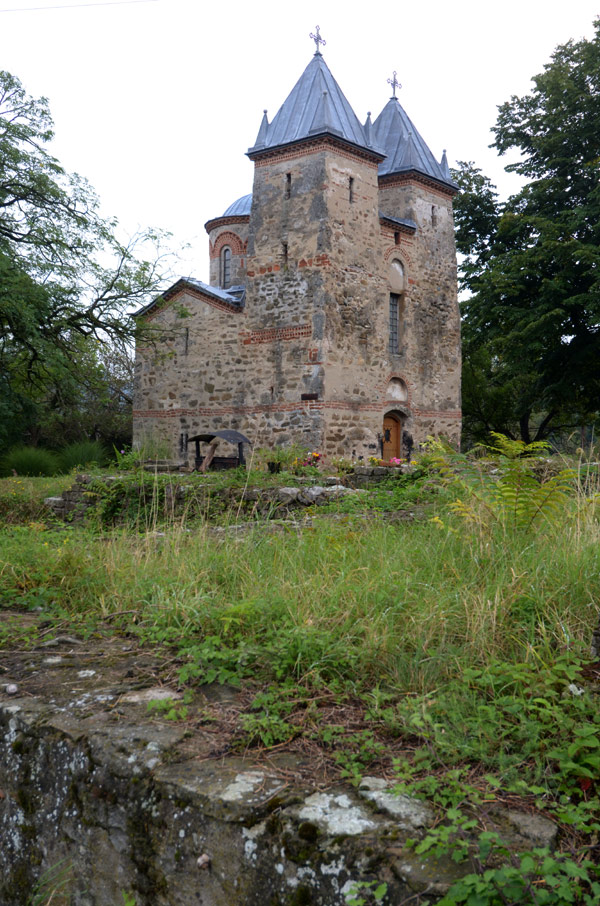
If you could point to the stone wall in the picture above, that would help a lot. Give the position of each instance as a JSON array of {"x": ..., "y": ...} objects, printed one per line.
[
  {"x": 307, "y": 359},
  {"x": 127, "y": 805}
]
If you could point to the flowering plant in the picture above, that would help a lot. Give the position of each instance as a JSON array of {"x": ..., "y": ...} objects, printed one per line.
[{"x": 306, "y": 460}]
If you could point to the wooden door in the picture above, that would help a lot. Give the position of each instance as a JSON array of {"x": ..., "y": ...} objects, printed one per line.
[{"x": 392, "y": 438}]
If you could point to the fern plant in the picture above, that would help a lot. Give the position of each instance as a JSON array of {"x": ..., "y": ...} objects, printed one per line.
[{"x": 509, "y": 493}]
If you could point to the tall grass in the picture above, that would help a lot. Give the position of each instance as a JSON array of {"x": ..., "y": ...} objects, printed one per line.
[{"x": 408, "y": 605}]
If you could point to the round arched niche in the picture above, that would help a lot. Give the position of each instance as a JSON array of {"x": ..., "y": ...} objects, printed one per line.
[
  {"x": 396, "y": 276},
  {"x": 397, "y": 390}
]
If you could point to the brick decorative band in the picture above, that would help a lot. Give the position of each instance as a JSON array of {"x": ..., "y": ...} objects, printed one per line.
[
  {"x": 286, "y": 407},
  {"x": 310, "y": 146},
  {"x": 402, "y": 179},
  {"x": 225, "y": 221},
  {"x": 274, "y": 334},
  {"x": 438, "y": 413}
]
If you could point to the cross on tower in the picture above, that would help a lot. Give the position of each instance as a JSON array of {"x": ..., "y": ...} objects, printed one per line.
[
  {"x": 318, "y": 40},
  {"x": 394, "y": 83}
]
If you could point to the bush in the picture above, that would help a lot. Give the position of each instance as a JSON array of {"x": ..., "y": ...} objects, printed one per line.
[
  {"x": 79, "y": 455},
  {"x": 30, "y": 461}
]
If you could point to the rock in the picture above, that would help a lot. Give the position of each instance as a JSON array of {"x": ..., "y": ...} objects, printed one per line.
[
  {"x": 410, "y": 813},
  {"x": 336, "y": 814},
  {"x": 11, "y": 689},
  {"x": 154, "y": 693},
  {"x": 311, "y": 496},
  {"x": 287, "y": 495},
  {"x": 536, "y": 829}
]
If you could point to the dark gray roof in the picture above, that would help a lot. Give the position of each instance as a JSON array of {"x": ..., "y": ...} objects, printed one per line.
[
  {"x": 234, "y": 296},
  {"x": 401, "y": 221},
  {"x": 232, "y": 437},
  {"x": 239, "y": 208},
  {"x": 315, "y": 106},
  {"x": 405, "y": 149}
]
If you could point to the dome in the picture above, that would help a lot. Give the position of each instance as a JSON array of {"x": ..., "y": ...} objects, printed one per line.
[{"x": 239, "y": 208}]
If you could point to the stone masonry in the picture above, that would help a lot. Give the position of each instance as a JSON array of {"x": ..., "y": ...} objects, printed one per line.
[{"x": 332, "y": 302}]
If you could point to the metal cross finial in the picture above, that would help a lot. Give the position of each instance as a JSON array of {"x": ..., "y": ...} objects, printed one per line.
[
  {"x": 394, "y": 83},
  {"x": 318, "y": 40}
]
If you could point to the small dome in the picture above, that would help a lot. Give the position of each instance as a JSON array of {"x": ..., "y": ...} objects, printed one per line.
[{"x": 239, "y": 208}]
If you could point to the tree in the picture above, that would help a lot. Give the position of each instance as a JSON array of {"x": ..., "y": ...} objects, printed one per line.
[
  {"x": 532, "y": 322},
  {"x": 64, "y": 275}
]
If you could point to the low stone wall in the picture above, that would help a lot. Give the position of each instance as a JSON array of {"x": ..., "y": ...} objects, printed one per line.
[
  {"x": 130, "y": 805},
  {"x": 76, "y": 502}
]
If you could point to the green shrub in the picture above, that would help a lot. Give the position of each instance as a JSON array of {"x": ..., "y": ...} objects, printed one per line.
[
  {"x": 82, "y": 454},
  {"x": 29, "y": 461}
]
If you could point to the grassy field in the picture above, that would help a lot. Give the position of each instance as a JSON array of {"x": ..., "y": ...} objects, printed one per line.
[{"x": 464, "y": 635}]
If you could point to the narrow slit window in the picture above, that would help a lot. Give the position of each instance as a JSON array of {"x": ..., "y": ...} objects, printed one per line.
[
  {"x": 288, "y": 185},
  {"x": 284, "y": 253},
  {"x": 397, "y": 238},
  {"x": 351, "y": 189},
  {"x": 186, "y": 341},
  {"x": 225, "y": 268},
  {"x": 394, "y": 323}
]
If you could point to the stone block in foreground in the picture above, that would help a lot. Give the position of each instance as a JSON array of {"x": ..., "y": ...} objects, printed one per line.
[{"x": 133, "y": 805}]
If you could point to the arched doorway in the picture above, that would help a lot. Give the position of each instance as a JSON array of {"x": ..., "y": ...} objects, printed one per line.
[{"x": 392, "y": 436}]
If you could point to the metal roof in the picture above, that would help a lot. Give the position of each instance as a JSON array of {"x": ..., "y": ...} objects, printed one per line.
[
  {"x": 234, "y": 296},
  {"x": 315, "y": 106},
  {"x": 401, "y": 221},
  {"x": 405, "y": 148},
  {"x": 239, "y": 208},
  {"x": 232, "y": 437}
]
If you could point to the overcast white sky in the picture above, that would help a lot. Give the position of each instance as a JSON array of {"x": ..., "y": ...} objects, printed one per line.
[{"x": 156, "y": 103}]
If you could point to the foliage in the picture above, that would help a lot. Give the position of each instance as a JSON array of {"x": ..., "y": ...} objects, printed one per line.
[
  {"x": 67, "y": 282},
  {"x": 288, "y": 456},
  {"x": 29, "y": 461},
  {"x": 533, "y": 264},
  {"x": 364, "y": 893},
  {"x": 169, "y": 708},
  {"x": 126, "y": 459},
  {"x": 82, "y": 454},
  {"x": 54, "y": 880},
  {"x": 22, "y": 499},
  {"x": 511, "y": 494},
  {"x": 460, "y": 648},
  {"x": 535, "y": 878},
  {"x": 522, "y": 720}
]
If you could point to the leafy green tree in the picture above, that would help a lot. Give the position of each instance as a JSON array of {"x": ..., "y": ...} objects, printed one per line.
[
  {"x": 532, "y": 321},
  {"x": 65, "y": 277}
]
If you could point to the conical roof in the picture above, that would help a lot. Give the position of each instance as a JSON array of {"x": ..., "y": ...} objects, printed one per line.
[
  {"x": 315, "y": 106},
  {"x": 405, "y": 150}
]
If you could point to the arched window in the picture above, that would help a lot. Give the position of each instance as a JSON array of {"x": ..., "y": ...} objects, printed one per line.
[
  {"x": 225, "y": 269},
  {"x": 396, "y": 278}
]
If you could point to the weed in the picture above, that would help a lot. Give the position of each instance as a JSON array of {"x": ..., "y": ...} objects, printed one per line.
[
  {"x": 81, "y": 455},
  {"x": 170, "y": 708},
  {"x": 364, "y": 893},
  {"x": 29, "y": 461},
  {"x": 535, "y": 878},
  {"x": 54, "y": 880}
]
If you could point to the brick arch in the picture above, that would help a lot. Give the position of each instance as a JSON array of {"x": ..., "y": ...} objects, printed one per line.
[
  {"x": 237, "y": 246},
  {"x": 399, "y": 252},
  {"x": 385, "y": 384}
]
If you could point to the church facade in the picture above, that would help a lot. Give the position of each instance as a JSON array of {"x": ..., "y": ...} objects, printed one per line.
[{"x": 331, "y": 317}]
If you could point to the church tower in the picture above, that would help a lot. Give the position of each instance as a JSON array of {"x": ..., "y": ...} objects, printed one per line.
[{"x": 331, "y": 317}]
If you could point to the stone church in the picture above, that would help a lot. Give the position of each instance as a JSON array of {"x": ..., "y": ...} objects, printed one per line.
[{"x": 331, "y": 317}]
